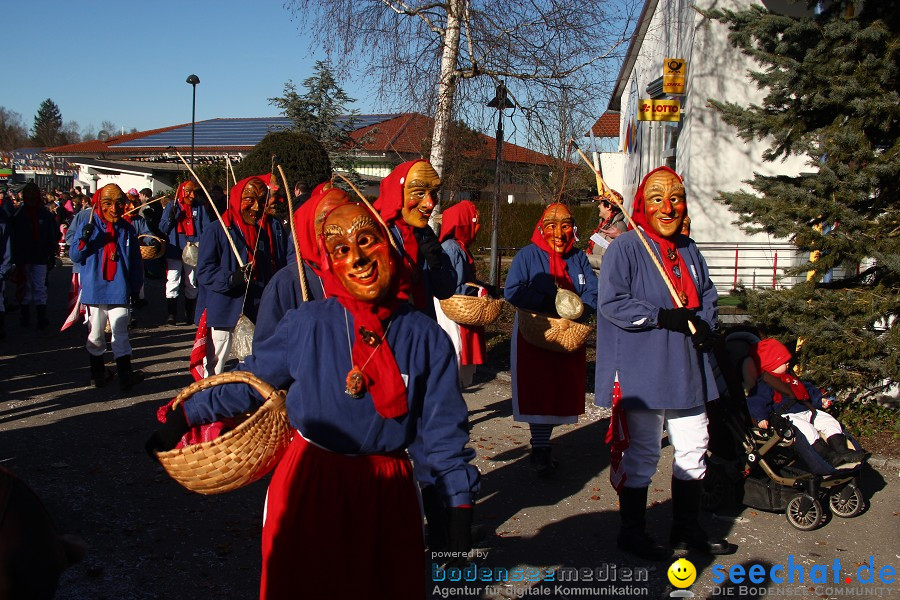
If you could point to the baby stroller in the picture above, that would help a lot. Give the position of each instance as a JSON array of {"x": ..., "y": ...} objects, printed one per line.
[{"x": 770, "y": 469}]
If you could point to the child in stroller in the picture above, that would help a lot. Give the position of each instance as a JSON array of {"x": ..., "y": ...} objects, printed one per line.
[{"x": 771, "y": 468}]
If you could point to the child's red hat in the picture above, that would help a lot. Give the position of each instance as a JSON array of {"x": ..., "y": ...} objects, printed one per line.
[{"x": 769, "y": 354}]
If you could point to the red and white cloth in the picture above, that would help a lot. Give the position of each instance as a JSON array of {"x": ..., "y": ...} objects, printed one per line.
[{"x": 74, "y": 308}]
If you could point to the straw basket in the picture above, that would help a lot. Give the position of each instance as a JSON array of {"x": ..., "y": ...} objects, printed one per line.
[
  {"x": 240, "y": 456},
  {"x": 552, "y": 333},
  {"x": 472, "y": 310},
  {"x": 151, "y": 252}
]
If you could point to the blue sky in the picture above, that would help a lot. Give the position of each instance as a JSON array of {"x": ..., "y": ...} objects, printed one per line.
[{"x": 126, "y": 62}]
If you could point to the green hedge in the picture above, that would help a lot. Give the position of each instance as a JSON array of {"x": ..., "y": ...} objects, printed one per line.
[{"x": 517, "y": 223}]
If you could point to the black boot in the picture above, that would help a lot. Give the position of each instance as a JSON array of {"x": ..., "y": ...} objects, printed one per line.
[
  {"x": 25, "y": 315},
  {"x": 686, "y": 530},
  {"x": 171, "y": 308},
  {"x": 189, "y": 307},
  {"x": 831, "y": 457},
  {"x": 99, "y": 373},
  {"x": 42, "y": 321},
  {"x": 436, "y": 516},
  {"x": 542, "y": 461},
  {"x": 127, "y": 377},
  {"x": 838, "y": 443},
  {"x": 633, "y": 536}
]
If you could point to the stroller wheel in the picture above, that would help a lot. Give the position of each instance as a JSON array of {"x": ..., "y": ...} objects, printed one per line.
[
  {"x": 804, "y": 512},
  {"x": 716, "y": 488},
  {"x": 847, "y": 503}
]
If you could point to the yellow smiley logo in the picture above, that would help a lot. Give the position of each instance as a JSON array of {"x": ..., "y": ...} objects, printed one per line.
[{"x": 682, "y": 573}]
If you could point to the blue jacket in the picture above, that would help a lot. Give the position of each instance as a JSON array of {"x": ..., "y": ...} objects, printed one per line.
[
  {"x": 460, "y": 263},
  {"x": 75, "y": 226},
  {"x": 657, "y": 368},
  {"x": 282, "y": 294},
  {"x": 530, "y": 286},
  {"x": 215, "y": 264},
  {"x": 761, "y": 400},
  {"x": 129, "y": 275},
  {"x": 168, "y": 225},
  {"x": 283, "y": 242},
  {"x": 26, "y": 250},
  {"x": 309, "y": 357},
  {"x": 6, "y": 263}
]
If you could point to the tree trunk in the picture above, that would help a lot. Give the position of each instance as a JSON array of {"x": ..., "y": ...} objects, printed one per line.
[{"x": 443, "y": 113}]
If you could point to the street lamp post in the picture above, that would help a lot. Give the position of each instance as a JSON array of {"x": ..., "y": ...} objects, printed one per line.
[
  {"x": 193, "y": 80},
  {"x": 500, "y": 102}
]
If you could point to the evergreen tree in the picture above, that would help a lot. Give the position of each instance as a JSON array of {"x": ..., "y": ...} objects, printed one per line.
[
  {"x": 831, "y": 95},
  {"x": 300, "y": 155},
  {"x": 47, "y": 128},
  {"x": 322, "y": 112}
]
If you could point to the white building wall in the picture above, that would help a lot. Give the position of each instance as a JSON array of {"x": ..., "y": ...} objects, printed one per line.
[{"x": 709, "y": 154}]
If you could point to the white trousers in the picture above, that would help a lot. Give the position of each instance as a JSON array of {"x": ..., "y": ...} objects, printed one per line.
[
  {"x": 176, "y": 272},
  {"x": 217, "y": 349},
  {"x": 823, "y": 423},
  {"x": 35, "y": 284},
  {"x": 687, "y": 434},
  {"x": 97, "y": 315}
]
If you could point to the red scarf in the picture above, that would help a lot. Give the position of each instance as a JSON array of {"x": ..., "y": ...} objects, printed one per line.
[
  {"x": 390, "y": 205},
  {"x": 109, "y": 262},
  {"x": 671, "y": 258},
  {"x": 379, "y": 367},
  {"x": 558, "y": 268},
  {"x": 186, "y": 218},
  {"x": 458, "y": 223},
  {"x": 797, "y": 388}
]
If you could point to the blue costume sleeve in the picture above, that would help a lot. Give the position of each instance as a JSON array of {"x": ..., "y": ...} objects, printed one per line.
[
  {"x": 529, "y": 284},
  {"x": 213, "y": 268},
  {"x": 169, "y": 217},
  {"x": 616, "y": 302},
  {"x": 79, "y": 254},
  {"x": 589, "y": 291},
  {"x": 282, "y": 294},
  {"x": 442, "y": 281}
]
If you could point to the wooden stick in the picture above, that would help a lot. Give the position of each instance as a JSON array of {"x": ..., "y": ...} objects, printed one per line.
[
  {"x": 375, "y": 212},
  {"x": 304, "y": 286},
  {"x": 601, "y": 185},
  {"x": 237, "y": 254},
  {"x": 147, "y": 203}
]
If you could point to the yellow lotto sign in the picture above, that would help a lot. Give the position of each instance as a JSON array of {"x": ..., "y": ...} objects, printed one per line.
[
  {"x": 659, "y": 110},
  {"x": 673, "y": 76}
]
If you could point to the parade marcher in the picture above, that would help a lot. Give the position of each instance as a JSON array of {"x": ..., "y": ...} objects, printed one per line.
[
  {"x": 612, "y": 224},
  {"x": 226, "y": 289},
  {"x": 35, "y": 236},
  {"x": 364, "y": 373},
  {"x": 276, "y": 205},
  {"x": 406, "y": 200},
  {"x": 653, "y": 370},
  {"x": 111, "y": 274},
  {"x": 551, "y": 262},
  {"x": 458, "y": 229},
  {"x": 183, "y": 221},
  {"x": 283, "y": 293},
  {"x": 5, "y": 266}
]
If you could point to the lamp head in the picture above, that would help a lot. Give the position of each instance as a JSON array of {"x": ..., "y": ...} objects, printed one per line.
[{"x": 193, "y": 79}]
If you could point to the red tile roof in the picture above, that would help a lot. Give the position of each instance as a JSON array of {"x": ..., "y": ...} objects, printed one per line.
[
  {"x": 607, "y": 126},
  {"x": 98, "y": 147}
]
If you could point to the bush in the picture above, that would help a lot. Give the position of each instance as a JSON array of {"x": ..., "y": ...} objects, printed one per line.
[{"x": 299, "y": 154}]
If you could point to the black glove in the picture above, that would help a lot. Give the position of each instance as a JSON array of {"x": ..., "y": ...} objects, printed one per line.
[
  {"x": 237, "y": 280},
  {"x": 169, "y": 433},
  {"x": 459, "y": 532},
  {"x": 86, "y": 232},
  {"x": 675, "y": 319},
  {"x": 429, "y": 246},
  {"x": 704, "y": 338},
  {"x": 137, "y": 302}
]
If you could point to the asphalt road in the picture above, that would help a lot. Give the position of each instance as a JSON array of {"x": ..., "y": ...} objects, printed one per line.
[{"x": 81, "y": 449}]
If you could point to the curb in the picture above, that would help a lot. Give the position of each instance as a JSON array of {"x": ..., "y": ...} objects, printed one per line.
[{"x": 876, "y": 461}]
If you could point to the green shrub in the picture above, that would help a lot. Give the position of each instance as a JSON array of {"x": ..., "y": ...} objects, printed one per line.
[{"x": 865, "y": 418}]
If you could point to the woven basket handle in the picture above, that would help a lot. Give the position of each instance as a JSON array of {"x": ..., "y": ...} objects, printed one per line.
[
  {"x": 151, "y": 236},
  {"x": 266, "y": 390}
]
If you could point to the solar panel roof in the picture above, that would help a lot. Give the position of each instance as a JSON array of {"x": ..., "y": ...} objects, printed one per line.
[{"x": 229, "y": 132}]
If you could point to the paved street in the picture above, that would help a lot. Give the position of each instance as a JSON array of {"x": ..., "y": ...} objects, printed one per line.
[{"x": 82, "y": 450}]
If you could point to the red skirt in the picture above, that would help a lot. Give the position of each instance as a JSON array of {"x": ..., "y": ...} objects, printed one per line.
[
  {"x": 549, "y": 383},
  {"x": 472, "y": 348},
  {"x": 339, "y": 526}
]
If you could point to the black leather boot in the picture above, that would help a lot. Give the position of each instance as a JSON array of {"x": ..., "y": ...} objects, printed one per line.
[
  {"x": 838, "y": 443},
  {"x": 42, "y": 321},
  {"x": 831, "y": 457},
  {"x": 171, "y": 309},
  {"x": 25, "y": 315},
  {"x": 436, "y": 516},
  {"x": 99, "y": 373},
  {"x": 633, "y": 536},
  {"x": 189, "y": 307},
  {"x": 686, "y": 530},
  {"x": 127, "y": 377}
]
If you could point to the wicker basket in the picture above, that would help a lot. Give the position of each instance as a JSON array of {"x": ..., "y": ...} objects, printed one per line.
[
  {"x": 151, "y": 252},
  {"x": 240, "y": 456},
  {"x": 472, "y": 310},
  {"x": 552, "y": 333}
]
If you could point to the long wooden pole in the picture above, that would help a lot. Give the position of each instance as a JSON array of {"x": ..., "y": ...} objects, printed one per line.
[
  {"x": 601, "y": 187},
  {"x": 147, "y": 203},
  {"x": 304, "y": 286},
  {"x": 237, "y": 254}
]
